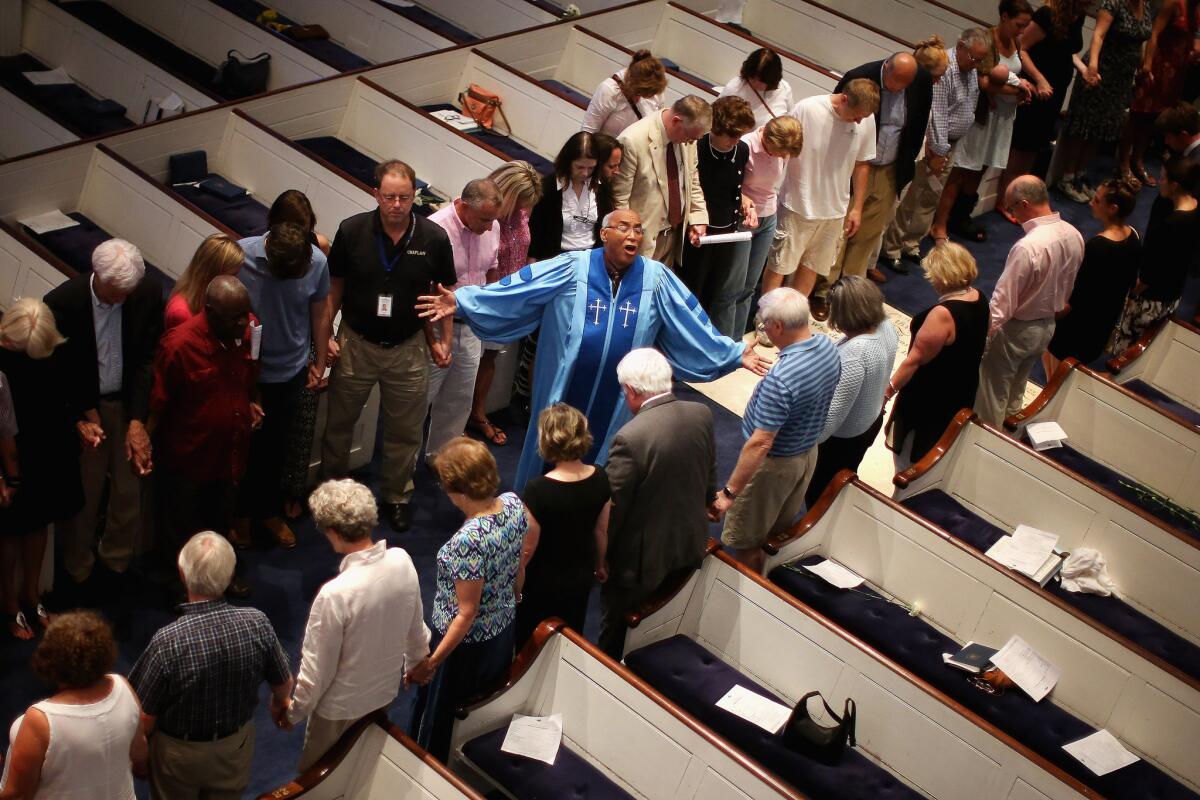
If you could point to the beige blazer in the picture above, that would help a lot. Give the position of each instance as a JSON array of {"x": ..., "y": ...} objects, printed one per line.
[{"x": 641, "y": 184}]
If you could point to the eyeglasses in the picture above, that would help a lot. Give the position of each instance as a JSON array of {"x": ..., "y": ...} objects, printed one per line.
[
  {"x": 972, "y": 58},
  {"x": 585, "y": 219},
  {"x": 392, "y": 199},
  {"x": 624, "y": 228}
]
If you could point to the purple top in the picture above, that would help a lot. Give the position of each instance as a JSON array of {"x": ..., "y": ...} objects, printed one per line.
[{"x": 514, "y": 243}]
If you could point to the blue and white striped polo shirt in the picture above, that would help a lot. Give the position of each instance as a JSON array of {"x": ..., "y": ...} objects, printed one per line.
[{"x": 793, "y": 399}]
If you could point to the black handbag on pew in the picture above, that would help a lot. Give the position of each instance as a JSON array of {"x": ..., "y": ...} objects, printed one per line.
[
  {"x": 237, "y": 78},
  {"x": 824, "y": 744}
]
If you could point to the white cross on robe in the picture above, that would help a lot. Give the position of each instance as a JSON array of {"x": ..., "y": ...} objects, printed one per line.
[{"x": 597, "y": 306}]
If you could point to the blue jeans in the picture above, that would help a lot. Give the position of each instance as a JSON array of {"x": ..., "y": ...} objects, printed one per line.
[{"x": 735, "y": 287}]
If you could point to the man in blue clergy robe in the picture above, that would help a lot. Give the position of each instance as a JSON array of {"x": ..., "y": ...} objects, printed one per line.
[{"x": 594, "y": 306}]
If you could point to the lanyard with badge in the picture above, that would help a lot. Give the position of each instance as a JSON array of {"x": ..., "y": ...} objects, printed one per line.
[{"x": 383, "y": 305}]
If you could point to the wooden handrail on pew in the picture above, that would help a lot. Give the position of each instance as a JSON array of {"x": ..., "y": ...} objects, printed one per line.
[
  {"x": 555, "y": 626},
  {"x": 664, "y": 593},
  {"x": 762, "y": 43},
  {"x": 417, "y": 109},
  {"x": 846, "y": 478},
  {"x": 522, "y": 76},
  {"x": 326, "y": 764},
  {"x": 903, "y": 479},
  {"x": 688, "y": 79},
  {"x": 913, "y": 679},
  {"x": 1060, "y": 376}
]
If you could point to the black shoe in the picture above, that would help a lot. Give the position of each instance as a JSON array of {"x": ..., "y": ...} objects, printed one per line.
[
  {"x": 397, "y": 516},
  {"x": 238, "y": 589},
  {"x": 913, "y": 257},
  {"x": 896, "y": 265}
]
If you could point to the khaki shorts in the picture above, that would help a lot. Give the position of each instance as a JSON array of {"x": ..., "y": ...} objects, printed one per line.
[
  {"x": 770, "y": 502},
  {"x": 798, "y": 240}
]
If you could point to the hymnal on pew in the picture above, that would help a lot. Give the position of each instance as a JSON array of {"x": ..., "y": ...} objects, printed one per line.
[
  {"x": 973, "y": 658},
  {"x": 460, "y": 122},
  {"x": 1045, "y": 435},
  {"x": 1031, "y": 552}
]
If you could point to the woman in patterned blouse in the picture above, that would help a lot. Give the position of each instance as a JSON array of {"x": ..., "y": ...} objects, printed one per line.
[{"x": 475, "y": 602}]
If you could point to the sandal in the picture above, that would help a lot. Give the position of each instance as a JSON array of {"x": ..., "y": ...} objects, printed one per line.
[
  {"x": 37, "y": 612},
  {"x": 493, "y": 433},
  {"x": 18, "y": 627},
  {"x": 1130, "y": 177},
  {"x": 1145, "y": 178}
]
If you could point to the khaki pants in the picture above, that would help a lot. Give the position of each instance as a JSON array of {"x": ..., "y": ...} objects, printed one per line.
[
  {"x": 1010, "y": 356},
  {"x": 878, "y": 210},
  {"x": 320, "y": 734},
  {"x": 219, "y": 770},
  {"x": 770, "y": 502},
  {"x": 662, "y": 247},
  {"x": 915, "y": 214},
  {"x": 401, "y": 374},
  {"x": 96, "y": 465}
]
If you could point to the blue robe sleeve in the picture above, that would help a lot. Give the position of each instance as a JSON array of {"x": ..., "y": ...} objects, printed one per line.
[
  {"x": 686, "y": 337},
  {"x": 513, "y": 306}
]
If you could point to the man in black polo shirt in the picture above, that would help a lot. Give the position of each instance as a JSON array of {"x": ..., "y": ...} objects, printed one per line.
[{"x": 380, "y": 262}]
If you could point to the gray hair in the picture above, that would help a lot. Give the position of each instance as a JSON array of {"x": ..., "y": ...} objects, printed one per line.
[
  {"x": 695, "y": 111},
  {"x": 207, "y": 562},
  {"x": 976, "y": 36},
  {"x": 118, "y": 264},
  {"x": 347, "y": 507},
  {"x": 855, "y": 304},
  {"x": 784, "y": 305},
  {"x": 645, "y": 371},
  {"x": 1029, "y": 188},
  {"x": 481, "y": 191}
]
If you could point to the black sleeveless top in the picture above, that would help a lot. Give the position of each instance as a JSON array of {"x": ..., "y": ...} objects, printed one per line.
[{"x": 941, "y": 388}]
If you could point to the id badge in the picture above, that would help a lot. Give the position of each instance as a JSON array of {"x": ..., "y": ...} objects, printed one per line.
[{"x": 383, "y": 307}]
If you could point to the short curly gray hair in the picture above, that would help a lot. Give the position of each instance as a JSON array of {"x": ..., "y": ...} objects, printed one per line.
[{"x": 347, "y": 507}]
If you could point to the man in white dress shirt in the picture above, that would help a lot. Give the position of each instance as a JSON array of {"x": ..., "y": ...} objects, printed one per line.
[{"x": 366, "y": 625}]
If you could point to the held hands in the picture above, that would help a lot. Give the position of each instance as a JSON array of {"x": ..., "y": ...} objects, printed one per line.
[
  {"x": 695, "y": 232},
  {"x": 256, "y": 416},
  {"x": 601, "y": 572},
  {"x": 316, "y": 378},
  {"x": 137, "y": 448},
  {"x": 436, "y": 306},
  {"x": 852, "y": 223},
  {"x": 279, "y": 713},
  {"x": 717, "y": 508},
  {"x": 90, "y": 433},
  {"x": 1044, "y": 90},
  {"x": 441, "y": 353},
  {"x": 421, "y": 674},
  {"x": 749, "y": 212},
  {"x": 934, "y": 163},
  {"x": 752, "y": 361},
  {"x": 333, "y": 351},
  {"x": 1092, "y": 76}
]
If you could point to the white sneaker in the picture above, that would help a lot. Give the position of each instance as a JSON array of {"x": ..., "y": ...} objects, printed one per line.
[
  {"x": 1069, "y": 189},
  {"x": 760, "y": 333}
]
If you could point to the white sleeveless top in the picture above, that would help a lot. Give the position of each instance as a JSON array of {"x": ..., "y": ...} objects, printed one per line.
[{"x": 88, "y": 755}]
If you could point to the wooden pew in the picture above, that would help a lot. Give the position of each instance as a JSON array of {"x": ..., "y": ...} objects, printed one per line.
[
  {"x": 486, "y": 18},
  {"x": 615, "y": 727},
  {"x": 926, "y": 594},
  {"x": 1006, "y": 484},
  {"x": 1164, "y": 366},
  {"x": 27, "y": 130},
  {"x": 1118, "y": 435},
  {"x": 375, "y": 759},
  {"x": 910, "y": 728},
  {"x": 371, "y": 29}
]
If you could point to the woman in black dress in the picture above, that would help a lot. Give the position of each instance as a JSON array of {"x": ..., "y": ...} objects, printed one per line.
[
  {"x": 568, "y": 525},
  {"x": 46, "y": 487},
  {"x": 1109, "y": 268},
  {"x": 940, "y": 374},
  {"x": 1049, "y": 59},
  {"x": 1171, "y": 252}
]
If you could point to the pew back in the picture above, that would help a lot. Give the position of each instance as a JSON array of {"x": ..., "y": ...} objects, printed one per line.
[
  {"x": 1168, "y": 359},
  {"x": 367, "y": 28}
]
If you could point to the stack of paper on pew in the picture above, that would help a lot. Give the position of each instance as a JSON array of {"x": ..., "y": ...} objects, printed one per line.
[
  {"x": 50, "y": 221},
  {"x": 1027, "y": 668},
  {"x": 48, "y": 77},
  {"x": 753, "y": 707},
  {"x": 1045, "y": 435},
  {"x": 834, "y": 574},
  {"x": 456, "y": 120},
  {"x": 973, "y": 658},
  {"x": 1031, "y": 552},
  {"x": 534, "y": 737},
  {"x": 1101, "y": 752}
]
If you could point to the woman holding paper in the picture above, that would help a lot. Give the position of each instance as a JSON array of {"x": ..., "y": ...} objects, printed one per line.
[
  {"x": 479, "y": 572},
  {"x": 940, "y": 374}
]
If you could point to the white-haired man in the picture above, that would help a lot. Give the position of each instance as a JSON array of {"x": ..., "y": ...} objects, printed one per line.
[
  {"x": 198, "y": 682},
  {"x": 365, "y": 627},
  {"x": 112, "y": 319},
  {"x": 782, "y": 423},
  {"x": 662, "y": 470}
]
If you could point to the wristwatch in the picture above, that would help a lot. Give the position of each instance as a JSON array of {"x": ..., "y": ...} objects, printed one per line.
[{"x": 725, "y": 491}]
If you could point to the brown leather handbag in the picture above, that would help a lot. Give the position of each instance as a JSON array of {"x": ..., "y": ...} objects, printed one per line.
[
  {"x": 481, "y": 105},
  {"x": 303, "y": 33}
]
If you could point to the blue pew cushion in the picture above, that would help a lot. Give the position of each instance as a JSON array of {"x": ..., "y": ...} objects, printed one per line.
[
  {"x": 569, "y": 91},
  {"x": 953, "y": 517},
  {"x": 245, "y": 215},
  {"x": 215, "y": 184},
  {"x": 569, "y": 777},
  {"x": 695, "y": 679},
  {"x": 918, "y": 646},
  {"x": 431, "y": 21},
  {"x": 326, "y": 51},
  {"x": 141, "y": 40},
  {"x": 1120, "y": 485},
  {"x": 74, "y": 247},
  {"x": 67, "y": 103},
  {"x": 505, "y": 144},
  {"x": 357, "y": 165},
  {"x": 1164, "y": 401}
]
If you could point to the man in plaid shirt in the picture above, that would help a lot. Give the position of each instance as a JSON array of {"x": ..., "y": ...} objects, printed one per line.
[
  {"x": 955, "y": 96},
  {"x": 198, "y": 681}
]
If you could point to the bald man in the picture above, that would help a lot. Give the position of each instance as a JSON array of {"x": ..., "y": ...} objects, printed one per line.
[
  {"x": 202, "y": 409},
  {"x": 905, "y": 96}
]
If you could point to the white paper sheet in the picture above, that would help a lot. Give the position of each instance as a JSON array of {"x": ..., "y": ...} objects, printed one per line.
[
  {"x": 1028, "y": 669},
  {"x": 1045, "y": 435},
  {"x": 835, "y": 574},
  {"x": 50, "y": 221},
  {"x": 534, "y": 737},
  {"x": 1101, "y": 752},
  {"x": 717, "y": 238},
  {"x": 1026, "y": 550},
  {"x": 48, "y": 77},
  {"x": 752, "y": 707},
  {"x": 255, "y": 340}
]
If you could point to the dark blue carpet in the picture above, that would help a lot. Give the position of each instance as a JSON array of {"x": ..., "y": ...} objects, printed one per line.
[{"x": 284, "y": 583}]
